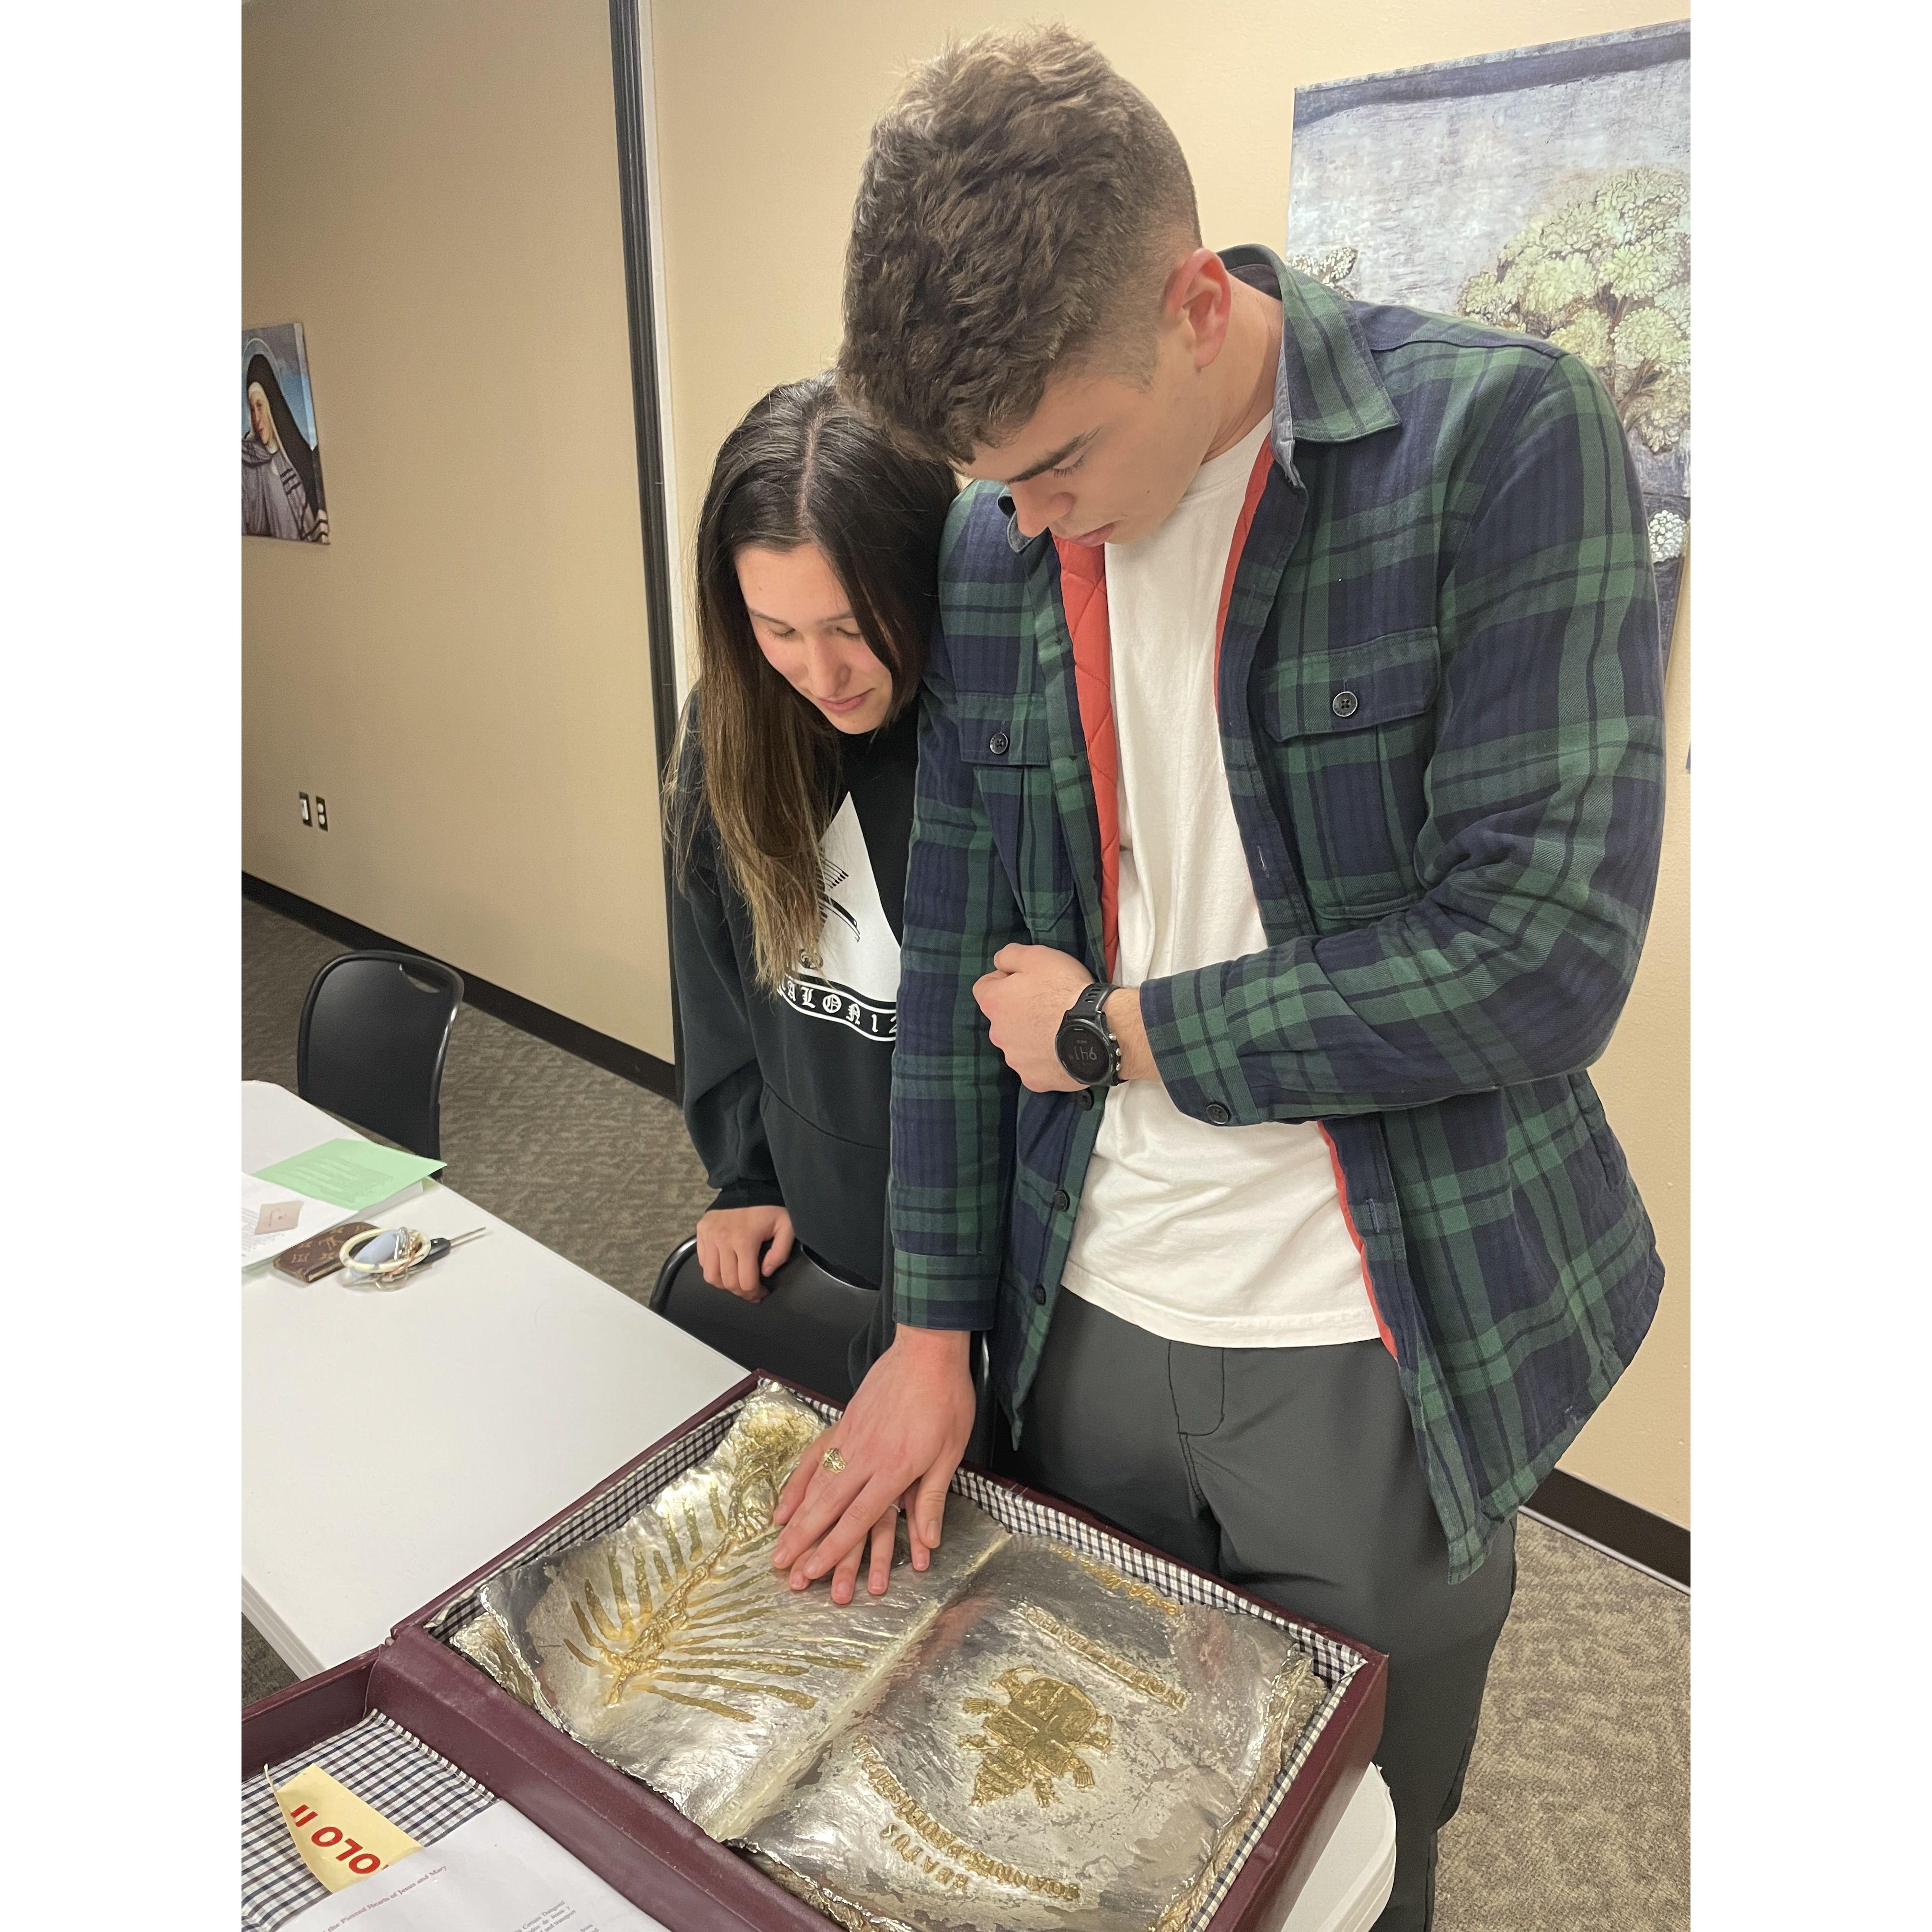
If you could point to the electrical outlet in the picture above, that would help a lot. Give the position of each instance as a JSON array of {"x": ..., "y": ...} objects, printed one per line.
[
  {"x": 308, "y": 817},
  {"x": 321, "y": 813}
]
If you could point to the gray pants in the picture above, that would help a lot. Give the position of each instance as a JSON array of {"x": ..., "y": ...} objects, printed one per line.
[{"x": 1293, "y": 1473}]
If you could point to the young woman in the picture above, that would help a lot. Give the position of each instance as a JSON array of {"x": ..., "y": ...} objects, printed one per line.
[{"x": 790, "y": 811}]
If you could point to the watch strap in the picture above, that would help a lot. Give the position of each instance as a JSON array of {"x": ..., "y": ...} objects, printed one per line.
[{"x": 1091, "y": 1003}]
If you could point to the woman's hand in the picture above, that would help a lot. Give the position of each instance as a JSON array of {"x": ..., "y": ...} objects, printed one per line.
[
  {"x": 728, "y": 1242},
  {"x": 901, "y": 1438}
]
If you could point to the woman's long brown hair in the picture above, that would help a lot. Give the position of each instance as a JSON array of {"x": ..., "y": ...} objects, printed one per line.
[{"x": 757, "y": 758}]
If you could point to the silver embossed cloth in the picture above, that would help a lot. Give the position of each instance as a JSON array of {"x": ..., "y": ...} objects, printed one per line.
[{"x": 1020, "y": 1736}]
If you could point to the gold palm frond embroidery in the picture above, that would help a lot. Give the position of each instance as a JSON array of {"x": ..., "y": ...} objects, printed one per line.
[{"x": 697, "y": 1623}]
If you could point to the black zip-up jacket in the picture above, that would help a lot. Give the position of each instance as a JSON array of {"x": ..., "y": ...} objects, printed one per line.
[{"x": 787, "y": 1096}]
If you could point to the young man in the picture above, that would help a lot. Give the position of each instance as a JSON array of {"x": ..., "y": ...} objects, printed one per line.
[{"x": 1288, "y": 816}]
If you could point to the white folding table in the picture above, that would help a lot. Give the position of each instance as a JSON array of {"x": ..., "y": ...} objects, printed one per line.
[{"x": 393, "y": 1441}]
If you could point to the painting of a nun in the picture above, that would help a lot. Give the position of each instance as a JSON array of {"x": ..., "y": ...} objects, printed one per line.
[{"x": 281, "y": 467}]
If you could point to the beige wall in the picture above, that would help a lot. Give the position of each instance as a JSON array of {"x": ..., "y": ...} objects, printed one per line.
[
  {"x": 1638, "y": 1444},
  {"x": 763, "y": 110},
  {"x": 430, "y": 187}
]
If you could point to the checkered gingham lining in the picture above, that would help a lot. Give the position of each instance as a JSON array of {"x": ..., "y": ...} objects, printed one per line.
[
  {"x": 389, "y": 1770},
  {"x": 1335, "y": 1663}
]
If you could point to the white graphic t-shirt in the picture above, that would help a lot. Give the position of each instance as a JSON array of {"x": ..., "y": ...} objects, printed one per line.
[{"x": 856, "y": 983}]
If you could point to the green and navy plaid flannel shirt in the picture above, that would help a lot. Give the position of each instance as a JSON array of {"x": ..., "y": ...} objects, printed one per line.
[{"x": 1441, "y": 705}]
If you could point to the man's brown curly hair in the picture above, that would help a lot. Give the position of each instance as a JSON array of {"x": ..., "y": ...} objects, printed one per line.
[{"x": 1019, "y": 207}]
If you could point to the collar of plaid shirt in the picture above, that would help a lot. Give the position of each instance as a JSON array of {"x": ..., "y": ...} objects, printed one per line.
[{"x": 1440, "y": 704}]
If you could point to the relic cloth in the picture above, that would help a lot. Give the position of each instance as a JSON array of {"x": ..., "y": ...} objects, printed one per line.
[{"x": 1018, "y": 1736}]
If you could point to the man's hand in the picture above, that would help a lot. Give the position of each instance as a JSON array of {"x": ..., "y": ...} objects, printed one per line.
[
  {"x": 728, "y": 1241},
  {"x": 901, "y": 1436},
  {"x": 1025, "y": 998}
]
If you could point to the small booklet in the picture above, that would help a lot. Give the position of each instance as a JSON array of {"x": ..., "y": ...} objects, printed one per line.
[{"x": 1020, "y": 1736}]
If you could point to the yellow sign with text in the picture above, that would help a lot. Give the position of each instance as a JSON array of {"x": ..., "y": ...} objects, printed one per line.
[{"x": 339, "y": 1838}]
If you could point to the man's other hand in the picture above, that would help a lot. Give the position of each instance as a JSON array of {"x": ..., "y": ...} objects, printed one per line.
[
  {"x": 902, "y": 1437},
  {"x": 1025, "y": 998},
  {"x": 728, "y": 1242}
]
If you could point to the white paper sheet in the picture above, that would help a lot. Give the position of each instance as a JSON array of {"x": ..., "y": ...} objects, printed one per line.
[
  {"x": 255, "y": 1195},
  {"x": 496, "y": 1873}
]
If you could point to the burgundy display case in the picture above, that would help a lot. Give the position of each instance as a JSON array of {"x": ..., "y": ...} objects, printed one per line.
[{"x": 646, "y": 1849}]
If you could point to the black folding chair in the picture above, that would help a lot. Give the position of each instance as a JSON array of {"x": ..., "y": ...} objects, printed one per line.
[
  {"x": 375, "y": 1032},
  {"x": 803, "y": 1330}
]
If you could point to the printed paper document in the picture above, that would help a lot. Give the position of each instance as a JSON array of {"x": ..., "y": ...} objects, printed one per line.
[
  {"x": 496, "y": 1873},
  {"x": 354, "y": 1174}
]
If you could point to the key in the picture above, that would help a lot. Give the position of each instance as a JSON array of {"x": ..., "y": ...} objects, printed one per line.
[{"x": 441, "y": 1245}]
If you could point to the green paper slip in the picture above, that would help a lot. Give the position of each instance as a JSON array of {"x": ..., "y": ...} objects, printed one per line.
[{"x": 353, "y": 1174}]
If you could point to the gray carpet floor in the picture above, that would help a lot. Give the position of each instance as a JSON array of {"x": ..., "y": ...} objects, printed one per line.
[{"x": 1577, "y": 1810}]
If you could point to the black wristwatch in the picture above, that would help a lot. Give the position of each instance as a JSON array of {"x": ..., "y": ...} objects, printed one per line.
[{"x": 1085, "y": 1042}]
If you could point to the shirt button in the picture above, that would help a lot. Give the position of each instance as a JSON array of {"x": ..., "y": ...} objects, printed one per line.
[
  {"x": 1062, "y": 1201},
  {"x": 1218, "y": 1113},
  {"x": 997, "y": 743},
  {"x": 1345, "y": 704},
  {"x": 1040, "y": 1293},
  {"x": 1085, "y": 1097}
]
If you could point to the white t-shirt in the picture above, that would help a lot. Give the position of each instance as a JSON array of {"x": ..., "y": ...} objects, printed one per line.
[{"x": 1229, "y": 1237}]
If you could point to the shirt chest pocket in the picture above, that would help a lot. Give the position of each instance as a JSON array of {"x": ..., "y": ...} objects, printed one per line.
[
  {"x": 1007, "y": 742},
  {"x": 1350, "y": 731}
]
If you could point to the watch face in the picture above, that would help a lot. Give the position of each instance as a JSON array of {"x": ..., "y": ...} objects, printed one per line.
[{"x": 1083, "y": 1051}]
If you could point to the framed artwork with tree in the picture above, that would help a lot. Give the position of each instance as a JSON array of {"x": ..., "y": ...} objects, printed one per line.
[{"x": 1546, "y": 189}]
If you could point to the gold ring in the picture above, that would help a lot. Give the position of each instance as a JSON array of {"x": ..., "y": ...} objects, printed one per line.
[{"x": 832, "y": 1460}]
